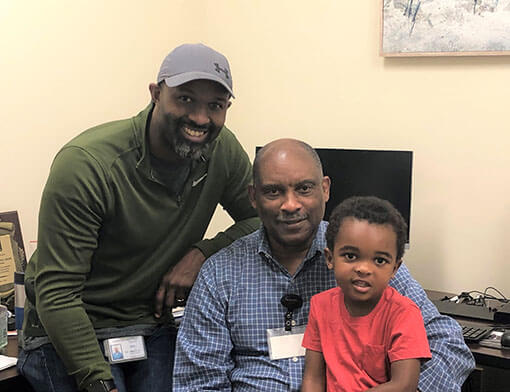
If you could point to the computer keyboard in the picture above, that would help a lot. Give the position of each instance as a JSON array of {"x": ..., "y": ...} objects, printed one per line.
[{"x": 473, "y": 334}]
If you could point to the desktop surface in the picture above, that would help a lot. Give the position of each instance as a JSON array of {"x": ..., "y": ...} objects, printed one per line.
[
  {"x": 12, "y": 351},
  {"x": 492, "y": 372},
  {"x": 10, "y": 379},
  {"x": 489, "y": 356}
]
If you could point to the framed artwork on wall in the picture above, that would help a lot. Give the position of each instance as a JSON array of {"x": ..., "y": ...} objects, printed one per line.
[{"x": 445, "y": 28}]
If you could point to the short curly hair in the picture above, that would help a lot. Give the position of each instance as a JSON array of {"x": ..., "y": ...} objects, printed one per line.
[{"x": 371, "y": 209}]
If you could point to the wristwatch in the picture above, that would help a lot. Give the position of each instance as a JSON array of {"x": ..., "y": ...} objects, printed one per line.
[{"x": 100, "y": 386}]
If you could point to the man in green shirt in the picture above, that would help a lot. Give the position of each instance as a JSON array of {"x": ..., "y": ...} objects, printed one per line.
[{"x": 121, "y": 226}]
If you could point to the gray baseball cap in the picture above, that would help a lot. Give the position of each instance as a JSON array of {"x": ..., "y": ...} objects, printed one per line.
[{"x": 195, "y": 61}]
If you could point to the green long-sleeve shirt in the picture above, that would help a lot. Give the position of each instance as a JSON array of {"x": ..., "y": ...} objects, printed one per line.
[{"x": 109, "y": 230}]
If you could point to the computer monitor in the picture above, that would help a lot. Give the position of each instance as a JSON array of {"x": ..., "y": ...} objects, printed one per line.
[{"x": 383, "y": 173}]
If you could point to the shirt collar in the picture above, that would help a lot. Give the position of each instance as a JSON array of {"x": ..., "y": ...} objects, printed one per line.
[
  {"x": 140, "y": 127},
  {"x": 317, "y": 247}
]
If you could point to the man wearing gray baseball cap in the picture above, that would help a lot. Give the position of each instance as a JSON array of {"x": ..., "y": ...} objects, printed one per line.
[{"x": 121, "y": 226}]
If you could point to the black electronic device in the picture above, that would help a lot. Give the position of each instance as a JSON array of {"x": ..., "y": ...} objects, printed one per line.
[
  {"x": 484, "y": 310},
  {"x": 452, "y": 308},
  {"x": 11, "y": 322},
  {"x": 386, "y": 174},
  {"x": 505, "y": 339},
  {"x": 291, "y": 303},
  {"x": 495, "y": 339},
  {"x": 473, "y": 334}
]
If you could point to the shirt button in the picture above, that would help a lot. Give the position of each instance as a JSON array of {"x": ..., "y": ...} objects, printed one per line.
[{"x": 294, "y": 359}]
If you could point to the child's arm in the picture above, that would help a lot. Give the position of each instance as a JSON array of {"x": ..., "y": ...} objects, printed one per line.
[
  {"x": 314, "y": 379},
  {"x": 404, "y": 377}
]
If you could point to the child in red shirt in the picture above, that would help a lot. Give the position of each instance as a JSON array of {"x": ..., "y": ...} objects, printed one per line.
[{"x": 364, "y": 335}]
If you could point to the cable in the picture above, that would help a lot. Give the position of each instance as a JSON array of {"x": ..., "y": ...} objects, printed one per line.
[{"x": 497, "y": 291}]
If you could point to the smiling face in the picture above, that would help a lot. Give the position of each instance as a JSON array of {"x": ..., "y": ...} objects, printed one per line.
[
  {"x": 289, "y": 194},
  {"x": 364, "y": 261},
  {"x": 186, "y": 118}
]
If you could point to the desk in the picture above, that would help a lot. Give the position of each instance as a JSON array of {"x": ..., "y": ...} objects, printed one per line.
[
  {"x": 492, "y": 372},
  {"x": 10, "y": 379}
]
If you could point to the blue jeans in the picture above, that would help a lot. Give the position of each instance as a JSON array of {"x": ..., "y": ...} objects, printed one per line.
[{"x": 45, "y": 372}]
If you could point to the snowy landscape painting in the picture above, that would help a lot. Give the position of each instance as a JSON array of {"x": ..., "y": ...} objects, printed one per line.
[{"x": 445, "y": 27}]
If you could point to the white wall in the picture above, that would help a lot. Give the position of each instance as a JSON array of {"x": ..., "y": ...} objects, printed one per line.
[{"x": 308, "y": 70}]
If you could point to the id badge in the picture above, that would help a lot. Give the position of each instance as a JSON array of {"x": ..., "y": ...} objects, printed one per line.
[
  {"x": 126, "y": 349},
  {"x": 285, "y": 344}
]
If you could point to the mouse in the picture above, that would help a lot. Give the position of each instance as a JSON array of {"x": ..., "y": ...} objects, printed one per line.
[{"x": 505, "y": 339}]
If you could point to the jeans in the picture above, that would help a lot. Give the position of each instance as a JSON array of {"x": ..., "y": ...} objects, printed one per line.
[{"x": 45, "y": 372}]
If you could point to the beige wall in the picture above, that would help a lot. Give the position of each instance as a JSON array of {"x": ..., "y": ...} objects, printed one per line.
[{"x": 310, "y": 71}]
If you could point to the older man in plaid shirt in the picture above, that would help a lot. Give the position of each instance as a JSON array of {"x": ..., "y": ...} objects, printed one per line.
[{"x": 222, "y": 343}]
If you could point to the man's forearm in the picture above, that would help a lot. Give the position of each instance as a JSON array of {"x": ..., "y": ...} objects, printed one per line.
[
  {"x": 452, "y": 360},
  {"x": 74, "y": 339}
]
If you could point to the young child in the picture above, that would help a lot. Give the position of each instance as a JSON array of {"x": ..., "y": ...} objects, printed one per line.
[{"x": 364, "y": 335}]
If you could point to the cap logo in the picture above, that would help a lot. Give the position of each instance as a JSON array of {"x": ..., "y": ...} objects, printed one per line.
[{"x": 224, "y": 70}]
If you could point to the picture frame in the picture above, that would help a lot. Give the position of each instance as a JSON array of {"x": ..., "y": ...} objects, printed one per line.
[
  {"x": 13, "y": 229},
  {"x": 413, "y": 28}
]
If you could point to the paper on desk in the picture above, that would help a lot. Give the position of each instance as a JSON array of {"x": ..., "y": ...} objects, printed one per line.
[{"x": 6, "y": 362}]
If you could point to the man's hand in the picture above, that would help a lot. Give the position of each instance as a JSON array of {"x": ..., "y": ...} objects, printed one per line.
[{"x": 177, "y": 282}]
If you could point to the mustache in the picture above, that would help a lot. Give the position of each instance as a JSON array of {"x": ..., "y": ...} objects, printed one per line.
[
  {"x": 291, "y": 218},
  {"x": 193, "y": 125}
]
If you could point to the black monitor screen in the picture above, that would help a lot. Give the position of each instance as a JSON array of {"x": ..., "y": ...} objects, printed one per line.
[{"x": 385, "y": 174}]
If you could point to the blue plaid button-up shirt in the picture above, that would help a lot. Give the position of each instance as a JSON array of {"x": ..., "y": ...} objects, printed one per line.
[{"x": 222, "y": 342}]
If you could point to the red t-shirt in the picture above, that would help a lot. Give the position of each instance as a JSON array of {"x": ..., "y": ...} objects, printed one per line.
[{"x": 358, "y": 351}]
